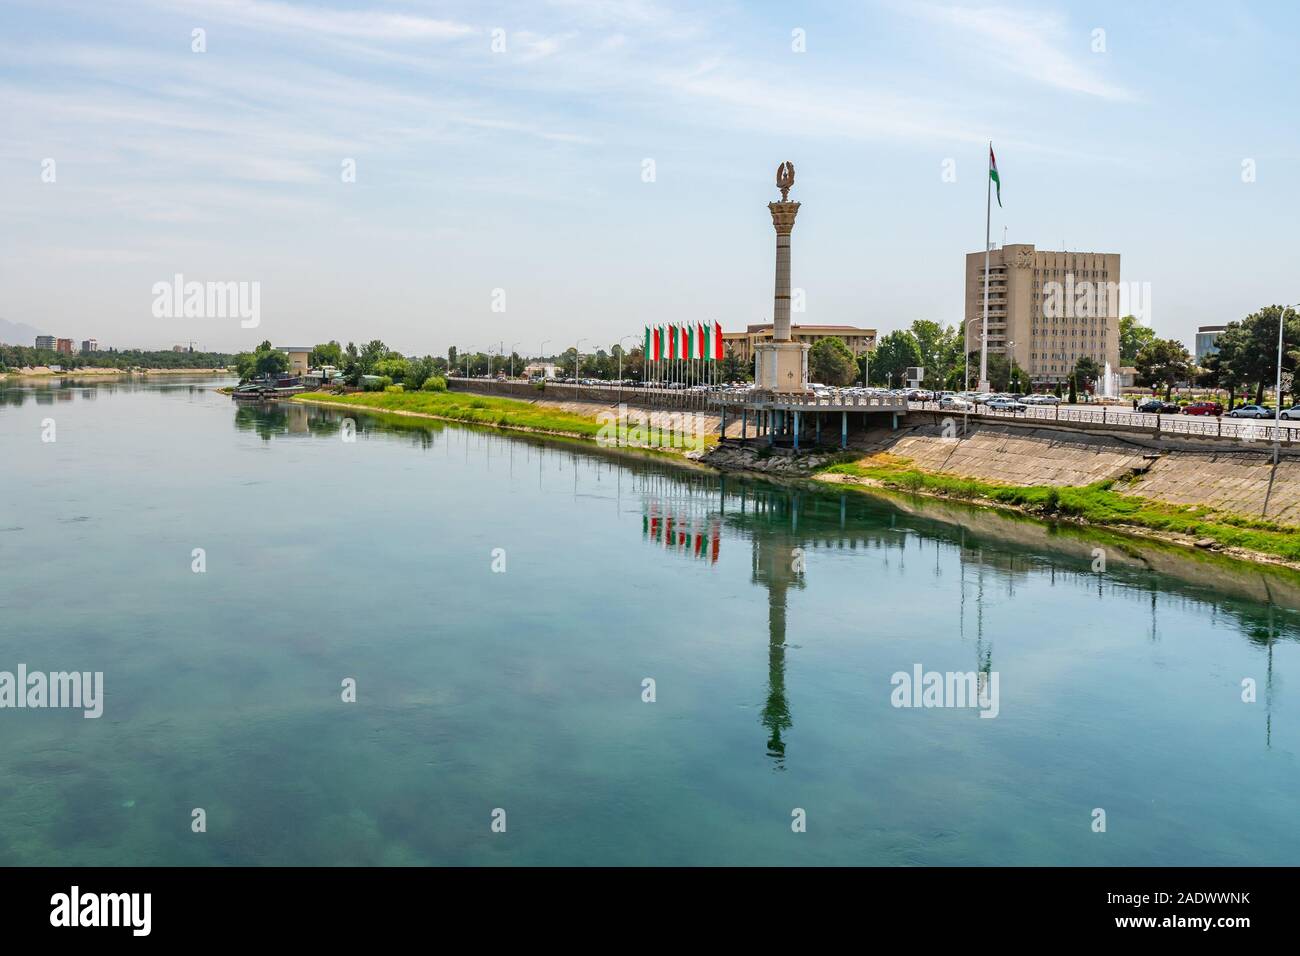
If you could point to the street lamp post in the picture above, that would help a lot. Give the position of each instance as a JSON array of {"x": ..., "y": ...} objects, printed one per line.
[
  {"x": 1277, "y": 423},
  {"x": 577, "y": 360},
  {"x": 512, "y": 358},
  {"x": 542, "y": 355},
  {"x": 965, "y": 338},
  {"x": 620, "y": 365}
]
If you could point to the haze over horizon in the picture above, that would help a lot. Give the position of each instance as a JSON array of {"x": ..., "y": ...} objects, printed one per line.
[{"x": 523, "y": 170}]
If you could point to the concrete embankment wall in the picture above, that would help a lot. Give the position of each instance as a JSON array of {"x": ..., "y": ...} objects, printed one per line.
[
  {"x": 660, "y": 411},
  {"x": 682, "y": 400},
  {"x": 1220, "y": 475}
]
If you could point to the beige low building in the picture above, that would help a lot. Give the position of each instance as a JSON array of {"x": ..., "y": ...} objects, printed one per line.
[
  {"x": 1047, "y": 309},
  {"x": 858, "y": 340},
  {"x": 298, "y": 358}
]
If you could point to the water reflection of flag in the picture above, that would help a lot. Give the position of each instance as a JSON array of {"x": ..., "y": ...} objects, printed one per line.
[{"x": 672, "y": 525}]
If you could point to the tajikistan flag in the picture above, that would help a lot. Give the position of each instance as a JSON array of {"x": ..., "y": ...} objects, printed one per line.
[{"x": 993, "y": 174}]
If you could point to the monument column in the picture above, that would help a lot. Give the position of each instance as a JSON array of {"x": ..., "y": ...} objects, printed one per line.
[
  {"x": 783, "y": 214},
  {"x": 782, "y": 364}
]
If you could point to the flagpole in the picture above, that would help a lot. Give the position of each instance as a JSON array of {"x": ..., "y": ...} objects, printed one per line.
[{"x": 984, "y": 339}]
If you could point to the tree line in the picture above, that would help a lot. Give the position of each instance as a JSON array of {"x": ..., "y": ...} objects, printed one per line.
[{"x": 21, "y": 356}]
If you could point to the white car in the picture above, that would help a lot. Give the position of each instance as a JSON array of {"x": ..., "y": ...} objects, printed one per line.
[{"x": 1005, "y": 405}]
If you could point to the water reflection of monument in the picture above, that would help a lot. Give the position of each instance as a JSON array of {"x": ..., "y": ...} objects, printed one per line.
[{"x": 690, "y": 516}]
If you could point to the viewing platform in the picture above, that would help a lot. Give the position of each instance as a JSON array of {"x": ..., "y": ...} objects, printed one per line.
[{"x": 797, "y": 419}]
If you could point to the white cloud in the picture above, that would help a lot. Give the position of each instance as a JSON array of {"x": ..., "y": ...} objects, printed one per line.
[
  {"x": 1033, "y": 44},
  {"x": 299, "y": 18}
]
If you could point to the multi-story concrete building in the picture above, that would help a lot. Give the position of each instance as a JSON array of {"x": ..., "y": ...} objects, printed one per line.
[
  {"x": 858, "y": 340},
  {"x": 1047, "y": 309},
  {"x": 45, "y": 342},
  {"x": 90, "y": 345},
  {"x": 1206, "y": 338},
  {"x": 63, "y": 346}
]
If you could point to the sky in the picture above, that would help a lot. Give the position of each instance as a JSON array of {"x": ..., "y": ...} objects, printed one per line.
[{"x": 565, "y": 170}]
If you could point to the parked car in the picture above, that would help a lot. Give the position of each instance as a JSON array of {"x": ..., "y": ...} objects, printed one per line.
[
  {"x": 1291, "y": 414},
  {"x": 1250, "y": 411},
  {"x": 955, "y": 402},
  {"x": 1154, "y": 406},
  {"x": 1203, "y": 408},
  {"x": 1005, "y": 405}
]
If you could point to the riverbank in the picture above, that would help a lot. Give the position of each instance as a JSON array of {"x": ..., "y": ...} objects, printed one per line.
[
  {"x": 642, "y": 430},
  {"x": 1100, "y": 505}
]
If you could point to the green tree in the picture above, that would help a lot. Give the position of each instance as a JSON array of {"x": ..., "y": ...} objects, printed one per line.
[
  {"x": 372, "y": 352},
  {"x": 1164, "y": 362},
  {"x": 394, "y": 368},
  {"x": 831, "y": 362},
  {"x": 331, "y": 353},
  {"x": 1133, "y": 337},
  {"x": 419, "y": 372},
  {"x": 1000, "y": 370},
  {"x": 733, "y": 369},
  {"x": 893, "y": 355},
  {"x": 940, "y": 347},
  {"x": 1086, "y": 371},
  {"x": 1248, "y": 350},
  {"x": 264, "y": 361}
]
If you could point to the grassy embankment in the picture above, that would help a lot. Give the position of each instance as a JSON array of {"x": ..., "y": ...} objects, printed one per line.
[
  {"x": 507, "y": 413},
  {"x": 1098, "y": 504}
]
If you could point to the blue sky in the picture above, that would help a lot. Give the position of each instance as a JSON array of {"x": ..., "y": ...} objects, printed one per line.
[{"x": 522, "y": 170}]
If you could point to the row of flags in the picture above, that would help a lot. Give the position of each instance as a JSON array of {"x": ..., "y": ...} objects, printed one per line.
[{"x": 692, "y": 340}]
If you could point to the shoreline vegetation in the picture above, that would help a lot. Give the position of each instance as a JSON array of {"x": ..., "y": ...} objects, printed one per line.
[
  {"x": 1099, "y": 506},
  {"x": 505, "y": 413}
]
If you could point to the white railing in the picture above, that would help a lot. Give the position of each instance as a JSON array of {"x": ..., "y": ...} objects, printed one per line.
[{"x": 1207, "y": 426}]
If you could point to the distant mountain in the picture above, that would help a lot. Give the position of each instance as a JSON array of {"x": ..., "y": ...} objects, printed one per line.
[{"x": 16, "y": 333}]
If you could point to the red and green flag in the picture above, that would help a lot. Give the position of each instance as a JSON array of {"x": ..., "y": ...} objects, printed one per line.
[
  {"x": 645, "y": 352},
  {"x": 993, "y": 174},
  {"x": 690, "y": 341},
  {"x": 699, "y": 340},
  {"x": 717, "y": 342}
]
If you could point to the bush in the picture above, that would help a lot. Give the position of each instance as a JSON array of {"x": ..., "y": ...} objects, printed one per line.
[
  {"x": 396, "y": 389},
  {"x": 377, "y": 386},
  {"x": 434, "y": 383}
]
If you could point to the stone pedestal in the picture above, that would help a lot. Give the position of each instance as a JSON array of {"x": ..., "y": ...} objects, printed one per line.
[{"x": 781, "y": 367}]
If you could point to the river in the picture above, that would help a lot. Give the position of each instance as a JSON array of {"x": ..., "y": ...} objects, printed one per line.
[{"x": 566, "y": 656}]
